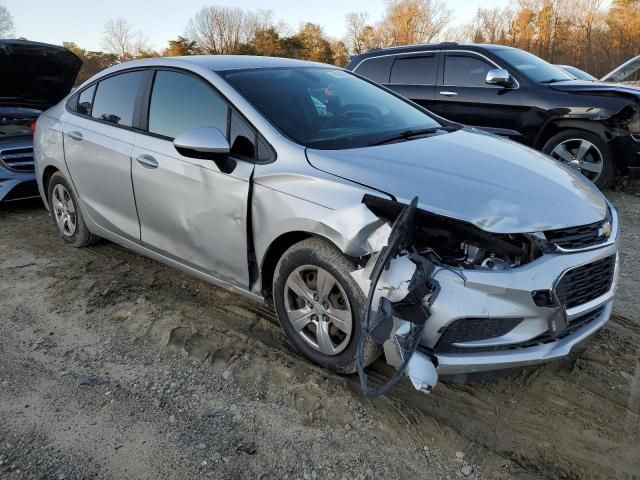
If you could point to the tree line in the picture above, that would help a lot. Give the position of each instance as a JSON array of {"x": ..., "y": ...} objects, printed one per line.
[{"x": 594, "y": 35}]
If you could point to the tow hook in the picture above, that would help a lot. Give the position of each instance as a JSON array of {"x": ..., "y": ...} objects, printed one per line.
[{"x": 401, "y": 283}]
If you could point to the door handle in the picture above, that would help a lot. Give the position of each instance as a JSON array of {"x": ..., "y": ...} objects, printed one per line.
[
  {"x": 147, "y": 161},
  {"x": 75, "y": 135},
  {"x": 448, "y": 93}
]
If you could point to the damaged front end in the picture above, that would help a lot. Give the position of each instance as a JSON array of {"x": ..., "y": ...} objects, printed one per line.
[{"x": 445, "y": 296}]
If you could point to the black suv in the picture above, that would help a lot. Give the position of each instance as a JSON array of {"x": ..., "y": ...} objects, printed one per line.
[{"x": 592, "y": 126}]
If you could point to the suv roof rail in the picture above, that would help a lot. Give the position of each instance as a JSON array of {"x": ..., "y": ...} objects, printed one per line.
[{"x": 447, "y": 44}]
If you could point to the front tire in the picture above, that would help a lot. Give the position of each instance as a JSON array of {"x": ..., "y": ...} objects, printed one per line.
[
  {"x": 320, "y": 305},
  {"x": 584, "y": 151},
  {"x": 66, "y": 213}
]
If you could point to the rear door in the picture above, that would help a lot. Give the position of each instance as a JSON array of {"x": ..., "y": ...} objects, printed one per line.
[
  {"x": 98, "y": 141},
  {"x": 462, "y": 95},
  {"x": 194, "y": 210},
  {"x": 414, "y": 77}
]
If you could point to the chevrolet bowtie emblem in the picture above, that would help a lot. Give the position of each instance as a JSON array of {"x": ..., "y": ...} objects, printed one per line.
[{"x": 605, "y": 230}]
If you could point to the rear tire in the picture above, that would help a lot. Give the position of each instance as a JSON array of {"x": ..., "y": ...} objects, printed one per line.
[
  {"x": 66, "y": 213},
  {"x": 585, "y": 151},
  {"x": 298, "y": 297}
]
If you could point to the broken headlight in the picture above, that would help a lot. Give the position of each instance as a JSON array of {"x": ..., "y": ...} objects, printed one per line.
[{"x": 458, "y": 243}]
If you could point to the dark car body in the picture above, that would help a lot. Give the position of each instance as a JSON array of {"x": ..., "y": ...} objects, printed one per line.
[
  {"x": 449, "y": 79},
  {"x": 33, "y": 77}
]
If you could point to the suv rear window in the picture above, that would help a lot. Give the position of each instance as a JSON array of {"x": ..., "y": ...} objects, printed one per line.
[
  {"x": 414, "y": 70},
  {"x": 376, "y": 69},
  {"x": 116, "y": 98}
]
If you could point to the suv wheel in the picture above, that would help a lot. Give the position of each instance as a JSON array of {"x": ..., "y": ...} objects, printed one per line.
[
  {"x": 66, "y": 214},
  {"x": 584, "y": 151},
  {"x": 319, "y": 305}
]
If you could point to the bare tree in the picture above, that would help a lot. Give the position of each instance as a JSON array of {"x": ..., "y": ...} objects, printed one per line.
[
  {"x": 414, "y": 21},
  {"x": 222, "y": 30},
  {"x": 356, "y": 23},
  {"x": 6, "y": 23},
  {"x": 122, "y": 40}
]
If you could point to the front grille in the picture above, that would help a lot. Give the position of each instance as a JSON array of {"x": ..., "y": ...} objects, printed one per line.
[
  {"x": 18, "y": 159},
  {"x": 580, "y": 237},
  {"x": 585, "y": 283},
  {"x": 574, "y": 325},
  {"x": 472, "y": 329}
]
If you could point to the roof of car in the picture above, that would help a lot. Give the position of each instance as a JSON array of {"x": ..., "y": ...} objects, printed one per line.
[
  {"x": 234, "y": 62},
  {"x": 430, "y": 46}
]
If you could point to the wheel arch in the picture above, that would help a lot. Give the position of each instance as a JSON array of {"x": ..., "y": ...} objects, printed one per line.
[
  {"x": 556, "y": 125},
  {"x": 274, "y": 252},
  {"x": 48, "y": 172}
]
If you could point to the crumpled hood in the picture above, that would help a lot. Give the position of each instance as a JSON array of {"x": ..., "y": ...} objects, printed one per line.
[
  {"x": 496, "y": 184},
  {"x": 597, "y": 88},
  {"x": 35, "y": 75}
]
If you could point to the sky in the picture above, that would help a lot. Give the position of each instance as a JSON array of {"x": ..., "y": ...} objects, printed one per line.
[{"x": 82, "y": 21}]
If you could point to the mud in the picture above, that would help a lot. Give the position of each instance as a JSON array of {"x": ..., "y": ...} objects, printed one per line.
[{"x": 114, "y": 366}]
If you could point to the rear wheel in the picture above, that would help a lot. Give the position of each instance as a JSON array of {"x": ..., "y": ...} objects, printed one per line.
[
  {"x": 319, "y": 305},
  {"x": 66, "y": 213},
  {"x": 584, "y": 151}
]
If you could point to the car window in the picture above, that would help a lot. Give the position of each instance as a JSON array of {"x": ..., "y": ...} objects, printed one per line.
[
  {"x": 242, "y": 137},
  {"x": 85, "y": 100},
  {"x": 181, "y": 102},
  {"x": 414, "y": 70},
  {"x": 465, "y": 71},
  {"x": 115, "y": 98},
  {"x": 531, "y": 66},
  {"x": 376, "y": 69},
  {"x": 353, "y": 112}
]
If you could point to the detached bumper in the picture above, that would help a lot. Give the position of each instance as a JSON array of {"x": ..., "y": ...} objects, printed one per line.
[
  {"x": 499, "y": 323},
  {"x": 15, "y": 186}
]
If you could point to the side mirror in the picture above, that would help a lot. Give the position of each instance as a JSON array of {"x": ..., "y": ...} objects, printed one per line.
[
  {"x": 205, "y": 142},
  {"x": 499, "y": 76}
]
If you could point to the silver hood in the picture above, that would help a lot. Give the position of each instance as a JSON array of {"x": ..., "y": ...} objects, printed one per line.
[{"x": 496, "y": 184}]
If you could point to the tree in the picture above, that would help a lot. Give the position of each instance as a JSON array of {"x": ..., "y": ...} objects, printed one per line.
[
  {"x": 180, "y": 47},
  {"x": 92, "y": 62},
  {"x": 340, "y": 53},
  {"x": 356, "y": 23},
  {"x": 221, "y": 30},
  {"x": 266, "y": 41},
  {"x": 314, "y": 45},
  {"x": 413, "y": 21},
  {"x": 6, "y": 23},
  {"x": 122, "y": 40}
]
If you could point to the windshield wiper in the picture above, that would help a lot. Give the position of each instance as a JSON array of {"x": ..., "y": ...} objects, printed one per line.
[{"x": 411, "y": 133}]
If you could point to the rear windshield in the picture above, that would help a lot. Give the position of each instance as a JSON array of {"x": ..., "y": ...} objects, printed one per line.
[{"x": 326, "y": 108}]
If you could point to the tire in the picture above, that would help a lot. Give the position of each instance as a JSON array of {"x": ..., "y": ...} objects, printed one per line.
[
  {"x": 572, "y": 140},
  {"x": 301, "y": 263},
  {"x": 69, "y": 210}
]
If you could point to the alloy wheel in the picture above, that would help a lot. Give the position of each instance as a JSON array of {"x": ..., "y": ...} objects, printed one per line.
[
  {"x": 318, "y": 309},
  {"x": 582, "y": 155},
  {"x": 64, "y": 210}
]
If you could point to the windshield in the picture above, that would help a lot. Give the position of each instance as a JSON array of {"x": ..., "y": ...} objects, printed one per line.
[
  {"x": 531, "y": 66},
  {"x": 326, "y": 108},
  {"x": 577, "y": 73}
]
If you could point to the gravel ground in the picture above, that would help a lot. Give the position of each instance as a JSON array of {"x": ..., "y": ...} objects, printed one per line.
[{"x": 114, "y": 366}]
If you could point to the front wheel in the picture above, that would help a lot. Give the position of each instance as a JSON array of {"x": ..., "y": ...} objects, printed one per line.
[
  {"x": 319, "y": 305},
  {"x": 584, "y": 151}
]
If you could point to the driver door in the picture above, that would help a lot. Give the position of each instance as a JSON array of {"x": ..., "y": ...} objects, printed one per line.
[{"x": 191, "y": 210}]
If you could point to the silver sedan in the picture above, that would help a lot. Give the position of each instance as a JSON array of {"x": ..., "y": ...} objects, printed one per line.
[{"x": 371, "y": 224}]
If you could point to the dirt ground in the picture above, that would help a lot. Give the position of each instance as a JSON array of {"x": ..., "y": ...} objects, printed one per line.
[{"x": 114, "y": 366}]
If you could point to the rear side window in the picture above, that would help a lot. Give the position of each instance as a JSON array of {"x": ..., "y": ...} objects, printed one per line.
[
  {"x": 465, "y": 71},
  {"x": 414, "y": 70},
  {"x": 85, "y": 101},
  {"x": 115, "y": 98},
  {"x": 181, "y": 102},
  {"x": 376, "y": 69}
]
